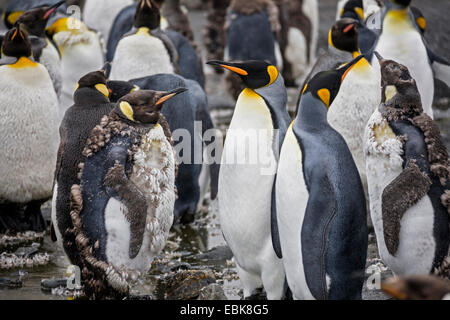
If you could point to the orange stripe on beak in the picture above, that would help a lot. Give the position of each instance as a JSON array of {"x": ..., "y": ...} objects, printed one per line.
[
  {"x": 14, "y": 35},
  {"x": 348, "y": 28},
  {"x": 235, "y": 69}
]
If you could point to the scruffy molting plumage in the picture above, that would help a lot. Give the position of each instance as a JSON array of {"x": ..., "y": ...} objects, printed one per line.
[
  {"x": 214, "y": 34},
  {"x": 413, "y": 185},
  {"x": 177, "y": 19},
  {"x": 250, "y": 7}
]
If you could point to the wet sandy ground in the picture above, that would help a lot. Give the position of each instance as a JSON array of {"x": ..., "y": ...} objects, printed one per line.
[{"x": 187, "y": 244}]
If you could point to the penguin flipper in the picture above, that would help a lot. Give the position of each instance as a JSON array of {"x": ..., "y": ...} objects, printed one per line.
[
  {"x": 128, "y": 194},
  {"x": 320, "y": 211},
  {"x": 274, "y": 223},
  {"x": 440, "y": 66},
  {"x": 402, "y": 193}
]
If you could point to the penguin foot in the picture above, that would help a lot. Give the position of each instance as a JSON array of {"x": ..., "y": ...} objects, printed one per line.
[{"x": 257, "y": 294}]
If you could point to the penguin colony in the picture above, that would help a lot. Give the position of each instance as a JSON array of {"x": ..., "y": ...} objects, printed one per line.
[{"x": 363, "y": 141}]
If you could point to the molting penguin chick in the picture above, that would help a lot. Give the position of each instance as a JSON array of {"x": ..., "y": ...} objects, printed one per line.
[
  {"x": 146, "y": 50},
  {"x": 320, "y": 202},
  {"x": 246, "y": 184},
  {"x": 350, "y": 112},
  {"x": 122, "y": 210},
  {"x": 408, "y": 178},
  {"x": 91, "y": 105},
  {"x": 34, "y": 22},
  {"x": 29, "y": 122}
]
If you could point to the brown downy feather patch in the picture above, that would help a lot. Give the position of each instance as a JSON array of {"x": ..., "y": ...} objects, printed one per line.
[
  {"x": 247, "y": 7},
  {"x": 446, "y": 200},
  {"x": 214, "y": 33},
  {"x": 412, "y": 185},
  {"x": 443, "y": 270},
  {"x": 177, "y": 19}
]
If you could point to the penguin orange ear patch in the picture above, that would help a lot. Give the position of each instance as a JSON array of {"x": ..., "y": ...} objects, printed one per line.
[
  {"x": 421, "y": 22},
  {"x": 103, "y": 89},
  {"x": 360, "y": 12},
  {"x": 304, "y": 88},
  {"x": 324, "y": 95},
  {"x": 273, "y": 74},
  {"x": 127, "y": 110}
]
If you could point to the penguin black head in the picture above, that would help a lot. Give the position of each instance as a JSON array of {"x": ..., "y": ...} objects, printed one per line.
[
  {"x": 92, "y": 88},
  {"x": 403, "y": 3},
  {"x": 344, "y": 35},
  {"x": 147, "y": 15},
  {"x": 326, "y": 84},
  {"x": 35, "y": 20},
  {"x": 254, "y": 73},
  {"x": 16, "y": 43},
  {"x": 418, "y": 287},
  {"x": 353, "y": 9},
  {"x": 144, "y": 106},
  {"x": 420, "y": 19},
  {"x": 118, "y": 89}
]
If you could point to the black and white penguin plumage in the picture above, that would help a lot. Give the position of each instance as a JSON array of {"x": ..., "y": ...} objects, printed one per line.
[
  {"x": 29, "y": 122},
  {"x": 181, "y": 114},
  {"x": 145, "y": 50},
  {"x": 401, "y": 40},
  {"x": 17, "y": 7},
  {"x": 91, "y": 105},
  {"x": 320, "y": 202},
  {"x": 246, "y": 177},
  {"x": 122, "y": 209},
  {"x": 100, "y": 14},
  {"x": 408, "y": 178},
  {"x": 34, "y": 22},
  {"x": 349, "y": 112},
  {"x": 251, "y": 34}
]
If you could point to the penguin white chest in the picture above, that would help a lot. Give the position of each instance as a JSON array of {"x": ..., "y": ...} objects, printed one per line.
[
  {"x": 154, "y": 174},
  {"x": 384, "y": 163},
  {"x": 401, "y": 42},
  {"x": 292, "y": 198},
  {"x": 140, "y": 55},
  {"x": 246, "y": 178}
]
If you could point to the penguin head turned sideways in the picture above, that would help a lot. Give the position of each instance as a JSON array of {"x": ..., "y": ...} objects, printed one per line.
[
  {"x": 353, "y": 9},
  {"x": 35, "y": 20},
  {"x": 92, "y": 88},
  {"x": 325, "y": 85},
  {"x": 254, "y": 73},
  {"x": 16, "y": 43},
  {"x": 144, "y": 106},
  {"x": 147, "y": 15},
  {"x": 343, "y": 35},
  {"x": 118, "y": 89}
]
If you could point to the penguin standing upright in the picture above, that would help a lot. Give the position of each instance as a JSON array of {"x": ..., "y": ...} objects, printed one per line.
[
  {"x": 246, "y": 179},
  {"x": 251, "y": 34},
  {"x": 146, "y": 50},
  {"x": 349, "y": 112},
  {"x": 28, "y": 134},
  {"x": 91, "y": 105},
  {"x": 100, "y": 14},
  {"x": 320, "y": 202},
  {"x": 408, "y": 178},
  {"x": 122, "y": 210},
  {"x": 34, "y": 22},
  {"x": 402, "y": 41}
]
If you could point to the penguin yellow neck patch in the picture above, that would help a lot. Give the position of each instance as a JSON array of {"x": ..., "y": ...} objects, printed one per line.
[
  {"x": 143, "y": 31},
  {"x": 324, "y": 95},
  {"x": 397, "y": 21},
  {"x": 127, "y": 110},
  {"x": 103, "y": 89},
  {"x": 360, "y": 12},
  {"x": 24, "y": 62}
]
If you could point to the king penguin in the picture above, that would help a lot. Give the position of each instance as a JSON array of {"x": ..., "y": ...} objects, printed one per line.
[
  {"x": 29, "y": 122},
  {"x": 246, "y": 177},
  {"x": 320, "y": 202},
  {"x": 145, "y": 50},
  {"x": 91, "y": 105},
  {"x": 122, "y": 210},
  {"x": 183, "y": 114},
  {"x": 34, "y": 22},
  {"x": 251, "y": 29},
  {"x": 407, "y": 174},
  {"x": 401, "y": 40},
  {"x": 100, "y": 14},
  {"x": 349, "y": 112}
]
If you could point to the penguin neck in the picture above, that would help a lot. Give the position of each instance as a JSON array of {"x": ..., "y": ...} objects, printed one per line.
[
  {"x": 23, "y": 62},
  {"x": 88, "y": 96},
  {"x": 397, "y": 20},
  {"x": 312, "y": 113},
  {"x": 361, "y": 64}
]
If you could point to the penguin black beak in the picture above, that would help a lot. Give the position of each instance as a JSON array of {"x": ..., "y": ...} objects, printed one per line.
[
  {"x": 52, "y": 9},
  {"x": 168, "y": 95},
  {"x": 379, "y": 57},
  {"x": 235, "y": 67},
  {"x": 345, "y": 69}
]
